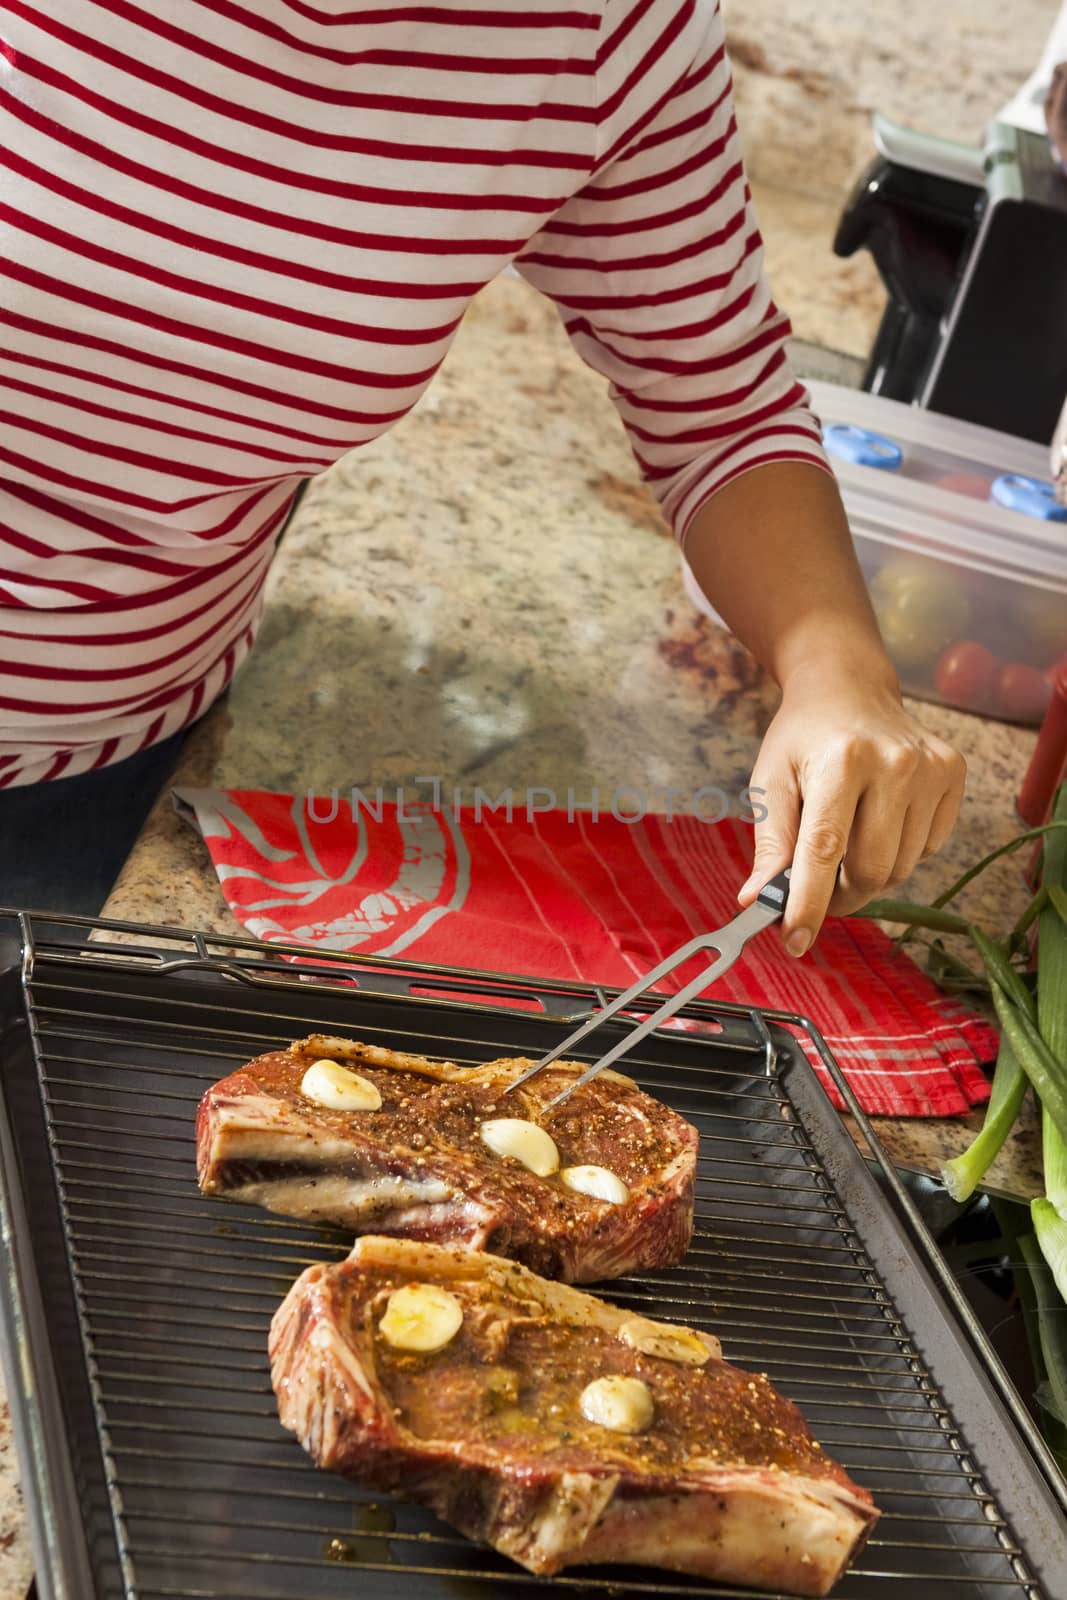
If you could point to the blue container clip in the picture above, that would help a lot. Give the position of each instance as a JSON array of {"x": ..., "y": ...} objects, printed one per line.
[
  {"x": 1032, "y": 496},
  {"x": 860, "y": 445}
]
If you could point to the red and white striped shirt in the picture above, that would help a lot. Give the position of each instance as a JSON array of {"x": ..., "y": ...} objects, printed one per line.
[{"x": 237, "y": 239}]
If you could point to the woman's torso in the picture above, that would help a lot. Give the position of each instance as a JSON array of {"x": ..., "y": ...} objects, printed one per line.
[{"x": 237, "y": 241}]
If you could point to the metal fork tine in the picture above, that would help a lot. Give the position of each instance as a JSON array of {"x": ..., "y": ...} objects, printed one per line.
[
  {"x": 729, "y": 941},
  {"x": 662, "y": 1014},
  {"x": 703, "y": 941}
]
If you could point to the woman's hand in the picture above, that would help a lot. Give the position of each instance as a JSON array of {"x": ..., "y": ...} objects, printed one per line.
[{"x": 856, "y": 794}]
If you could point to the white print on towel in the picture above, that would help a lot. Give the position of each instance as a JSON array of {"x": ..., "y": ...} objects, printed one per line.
[{"x": 431, "y": 877}]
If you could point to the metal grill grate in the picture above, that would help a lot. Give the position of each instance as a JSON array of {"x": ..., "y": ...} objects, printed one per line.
[{"x": 190, "y": 1489}]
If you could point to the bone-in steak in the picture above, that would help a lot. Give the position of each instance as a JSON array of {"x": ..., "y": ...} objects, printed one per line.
[
  {"x": 492, "y": 1428},
  {"x": 419, "y": 1167}
]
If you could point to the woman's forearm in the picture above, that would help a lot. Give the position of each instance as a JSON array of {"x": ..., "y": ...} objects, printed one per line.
[
  {"x": 855, "y": 792},
  {"x": 773, "y": 553}
]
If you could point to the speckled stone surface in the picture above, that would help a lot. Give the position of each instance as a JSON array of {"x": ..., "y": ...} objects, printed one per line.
[
  {"x": 807, "y": 77},
  {"x": 16, "y": 1561}
]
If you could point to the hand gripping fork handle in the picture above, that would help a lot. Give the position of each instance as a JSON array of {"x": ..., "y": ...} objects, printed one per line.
[{"x": 728, "y": 941}]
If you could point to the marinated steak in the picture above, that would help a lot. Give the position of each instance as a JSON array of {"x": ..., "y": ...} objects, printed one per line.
[
  {"x": 594, "y": 1188},
  {"x": 554, "y": 1427}
]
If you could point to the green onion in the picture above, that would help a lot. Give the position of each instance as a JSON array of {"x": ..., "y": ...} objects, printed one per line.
[
  {"x": 962, "y": 1175},
  {"x": 1048, "y": 828},
  {"x": 951, "y": 973},
  {"x": 1058, "y": 897},
  {"x": 1052, "y": 1020},
  {"x": 1017, "y": 941},
  {"x": 1049, "y": 1215},
  {"x": 1003, "y": 973},
  {"x": 1032, "y": 1010},
  {"x": 1054, "y": 1154},
  {"x": 1050, "y": 1314},
  {"x": 916, "y": 916},
  {"x": 1047, "y": 1074},
  {"x": 1051, "y": 1230}
]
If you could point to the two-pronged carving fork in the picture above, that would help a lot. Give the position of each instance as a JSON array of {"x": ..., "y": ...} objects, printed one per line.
[{"x": 728, "y": 942}]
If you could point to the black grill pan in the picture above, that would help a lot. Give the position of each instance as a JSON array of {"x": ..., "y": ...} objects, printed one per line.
[{"x": 135, "y": 1312}]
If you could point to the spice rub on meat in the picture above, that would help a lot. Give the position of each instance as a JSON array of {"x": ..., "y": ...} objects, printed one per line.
[
  {"x": 434, "y": 1151},
  {"x": 556, "y": 1428}
]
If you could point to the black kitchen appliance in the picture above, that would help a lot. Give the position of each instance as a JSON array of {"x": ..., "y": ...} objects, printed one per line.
[{"x": 972, "y": 248}]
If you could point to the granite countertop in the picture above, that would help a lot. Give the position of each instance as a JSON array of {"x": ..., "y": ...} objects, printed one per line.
[
  {"x": 806, "y": 83},
  {"x": 488, "y": 594},
  {"x": 16, "y": 1559}
]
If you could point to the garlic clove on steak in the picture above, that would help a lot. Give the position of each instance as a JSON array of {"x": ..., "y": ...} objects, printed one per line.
[
  {"x": 669, "y": 1343},
  {"x": 421, "y": 1317},
  {"x": 597, "y": 1182},
  {"x": 334, "y": 1087},
  {"x": 525, "y": 1141},
  {"x": 622, "y": 1404}
]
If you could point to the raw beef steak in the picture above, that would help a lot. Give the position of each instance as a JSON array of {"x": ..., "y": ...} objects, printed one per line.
[
  {"x": 557, "y": 1429},
  {"x": 420, "y": 1165}
]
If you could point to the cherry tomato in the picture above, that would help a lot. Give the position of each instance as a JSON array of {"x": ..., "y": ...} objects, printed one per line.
[
  {"x": 1041, "y": 618},
  {"x": 968, "y": 483},
  {"x": 921, "y": 607},
  {"x": 965, "y": 674},
  {"x": 1021, "y": 693},
  {"x": 1057, "y": 669}
]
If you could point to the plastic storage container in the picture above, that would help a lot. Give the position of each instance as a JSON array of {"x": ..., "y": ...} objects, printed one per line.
[{"x": 963, "y": 546}]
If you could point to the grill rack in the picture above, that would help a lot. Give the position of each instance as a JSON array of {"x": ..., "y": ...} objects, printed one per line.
[{"x": 136, "y": 1311}]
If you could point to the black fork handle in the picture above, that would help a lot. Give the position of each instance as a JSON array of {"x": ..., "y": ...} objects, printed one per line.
[{"x": 775, "y": 892}]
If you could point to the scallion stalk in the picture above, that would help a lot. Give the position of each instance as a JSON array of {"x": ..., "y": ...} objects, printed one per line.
[
  {"x": 1017, "y": 940},
  {"x": 1002, "y": 972},
  {"x": 1051, "y": 1230},
  {"x": 1058, "y": 897},
  {"x": 962, "y": 1175},
  {"x": 1054, "y": 1159},
  {"x": 1048, "y": 830},
  {"x": 915, "y": 916},
  {"x": 1052, "y": 1021},
  {"x": 1047, "y": 1074},
  {"x": 1048, "y": 1311}
]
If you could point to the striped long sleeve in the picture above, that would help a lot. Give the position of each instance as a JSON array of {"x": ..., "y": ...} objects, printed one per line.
[{"x": 656, "y": 265}]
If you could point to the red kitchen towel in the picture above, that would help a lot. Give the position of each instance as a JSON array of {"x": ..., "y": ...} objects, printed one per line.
[{"x": 563, "y": 895}]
